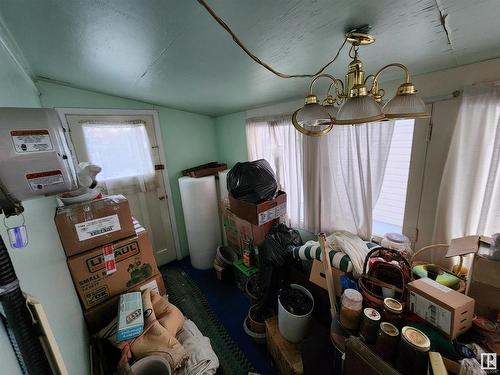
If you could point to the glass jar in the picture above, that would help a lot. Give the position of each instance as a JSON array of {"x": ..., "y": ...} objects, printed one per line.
[
  {"x": 387, "y": 341},
  {"x": 413, "y": 355},
  {"x": 369, "y": 325},
  {"x": 392, "y": 312},
  {"x": 350, "y": 309}
]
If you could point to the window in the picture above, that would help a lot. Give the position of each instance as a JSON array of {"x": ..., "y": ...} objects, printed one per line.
[
  {"x": 333, "y": 181},
  {"x": 388, "y": 213},
  {"x": 130, "y": 142}
]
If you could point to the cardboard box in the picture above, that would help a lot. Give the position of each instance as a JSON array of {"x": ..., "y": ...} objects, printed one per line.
[
  {"x": 447, "y": 310},
  {"x": 85, "y": 226},
  {"x": 134, "y": 261},
  {"x": 261, "y": 213},
  {"x": 99, "y": 316},
  {"x": 484, "y": 287},
  {"x": 238, "y": 231},
  {"x": 286, "y": 355},
  {"x": 318, "y": 277}
]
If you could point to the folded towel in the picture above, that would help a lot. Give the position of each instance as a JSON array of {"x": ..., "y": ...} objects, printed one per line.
[{"x": 203, "y": 360}]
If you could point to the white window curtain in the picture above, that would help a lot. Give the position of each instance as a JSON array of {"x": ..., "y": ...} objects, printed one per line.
[
  {"x": 469, "y": 195},
  {"x": 127, "y": 166},
  {"x": 332, "y": 182},
  {"x": 274, "y": 139}
]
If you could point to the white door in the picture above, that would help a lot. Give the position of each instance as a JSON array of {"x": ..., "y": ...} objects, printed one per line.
[{"x": 127, "y": 147}]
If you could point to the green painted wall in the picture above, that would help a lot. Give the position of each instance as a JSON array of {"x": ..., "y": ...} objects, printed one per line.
[
  {"x": 231, "y": 138},
  {"x": 41, "y": 266},
  {"x": 189, "y": 139}
]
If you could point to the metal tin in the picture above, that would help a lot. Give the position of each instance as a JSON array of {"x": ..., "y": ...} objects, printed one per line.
[
  {"x": 369, "y": 325},
  {"x": 387, "y": 341},
  {"x": 413, "y": 355}
]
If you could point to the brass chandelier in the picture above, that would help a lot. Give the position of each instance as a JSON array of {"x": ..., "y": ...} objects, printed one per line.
[{"x": 357, "y": 100}]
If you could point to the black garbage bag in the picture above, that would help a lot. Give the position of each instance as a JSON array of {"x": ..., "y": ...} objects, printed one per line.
[
  {"x": 276, "y": 260},
  {"x": 278, "y": 244},
  {"x": 252, "y": 181}
]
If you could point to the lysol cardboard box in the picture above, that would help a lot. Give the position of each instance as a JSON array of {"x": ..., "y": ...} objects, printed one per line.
[
  {"x": 447, "y": 310},
  {"x": 238, "y": 231},
  {"x": 100, "y": 315},
  {"x": 484, "y": 287},
  {"x": 261, "y": 213},
  {"x": 85, "y": 226},
  {"x": 134, "y": 262},
  {"x": 318, "y": 277}
]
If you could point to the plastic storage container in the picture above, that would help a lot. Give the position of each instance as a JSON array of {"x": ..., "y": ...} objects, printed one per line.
[
  {"x": 151, "y": 365},
  {"x": 350, "y": 309}
]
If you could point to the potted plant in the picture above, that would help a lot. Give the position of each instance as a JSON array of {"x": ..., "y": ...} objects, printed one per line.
[{"x": 295, "y": 306}]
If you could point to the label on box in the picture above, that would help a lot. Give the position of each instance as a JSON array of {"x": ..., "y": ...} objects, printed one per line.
[
  {"x": 25, "y": 141},
  {"x": 151, "y": 285},
  {"x": 272, "y": 213},
  {"x": 109, "y": 259},
  {"x": 43, "y": 180},
  {"x": 97, "y": 295},
  {"x": 434, "y": 314},
  {"x": 98, "y": 262},
  {"x": 97, "y": 227},
  {"x": 436, "y": 285}
]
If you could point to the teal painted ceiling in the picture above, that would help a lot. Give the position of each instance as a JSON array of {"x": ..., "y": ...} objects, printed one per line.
[{"x": 171, "y": 52}]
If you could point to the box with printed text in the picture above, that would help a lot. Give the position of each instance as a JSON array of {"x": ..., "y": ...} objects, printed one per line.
[
  {"x": 85, "y": 226},
  {"x": 97, "y": 278}
]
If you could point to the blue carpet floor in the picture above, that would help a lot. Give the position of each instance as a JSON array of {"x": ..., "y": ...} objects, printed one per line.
[{"x": 231, "y": 306}]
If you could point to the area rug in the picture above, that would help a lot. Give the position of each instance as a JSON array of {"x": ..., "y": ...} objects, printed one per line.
[{"x": 185, "y": 294}]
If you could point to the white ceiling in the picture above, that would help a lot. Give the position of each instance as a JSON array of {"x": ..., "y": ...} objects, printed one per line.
[{"x": 173, "y": 53}]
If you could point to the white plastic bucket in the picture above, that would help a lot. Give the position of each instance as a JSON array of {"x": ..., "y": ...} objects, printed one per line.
[
  {"x": 84, "y": 195},
  {"x": 151, "y": 365},
  {"x": 294, "y": 327}
]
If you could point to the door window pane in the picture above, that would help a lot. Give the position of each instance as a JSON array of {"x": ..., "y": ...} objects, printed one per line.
[{"x": 121, "y": 150}]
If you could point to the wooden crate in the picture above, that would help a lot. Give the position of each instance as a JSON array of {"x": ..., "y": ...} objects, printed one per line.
[
  {"x": 286, "y": 355},
  {"x": 205, "y": 170}
]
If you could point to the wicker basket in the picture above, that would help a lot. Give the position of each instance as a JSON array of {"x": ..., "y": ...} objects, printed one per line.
[
  {"x": 414, "y": 262},
  {"x": 371, "y": 281}
]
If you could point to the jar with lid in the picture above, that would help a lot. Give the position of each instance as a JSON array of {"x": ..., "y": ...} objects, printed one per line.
[
  {"x": 387, "y": 341},
  {"x": 350, "y": 309},
  {"x": 392, "y": 312},
  {"x": 413, "y": 354},
  {"x": 369, "y": 325}
]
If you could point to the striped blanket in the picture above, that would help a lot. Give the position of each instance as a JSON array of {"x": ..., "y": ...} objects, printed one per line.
[{"x": 311, "y": 250}]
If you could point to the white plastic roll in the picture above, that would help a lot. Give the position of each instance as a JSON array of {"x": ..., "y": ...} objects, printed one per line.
[
  {"x": 223, "y": 193},
  {"x": 223, "y": 200},
  {"x": 201, "y": 215}
]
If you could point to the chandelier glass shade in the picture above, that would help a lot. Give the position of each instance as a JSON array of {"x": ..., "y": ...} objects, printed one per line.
[
  {"x": 357, "y": 100},
  {"x": 312, "y": 119},
  {"x": 359, "y": 110}
]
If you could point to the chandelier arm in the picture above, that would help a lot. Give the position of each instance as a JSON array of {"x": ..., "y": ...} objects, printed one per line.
[
  {"x": 324, "y": 75},
  {"x": 397, "y": 65}
]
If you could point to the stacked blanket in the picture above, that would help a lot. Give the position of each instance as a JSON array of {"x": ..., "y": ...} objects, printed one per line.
[{"x": 169, "y": 335}]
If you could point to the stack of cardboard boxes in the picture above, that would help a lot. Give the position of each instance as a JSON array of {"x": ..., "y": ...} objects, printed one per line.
[
  {"x": 244, "y": 221},
  {"x": 108, "y": 253}
]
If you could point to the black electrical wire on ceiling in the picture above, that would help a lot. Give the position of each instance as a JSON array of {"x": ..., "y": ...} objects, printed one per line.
[{"x": 224, "y": 25}]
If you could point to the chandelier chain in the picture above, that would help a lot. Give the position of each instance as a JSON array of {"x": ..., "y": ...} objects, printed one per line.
[{"x": 240, "y": 44}]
